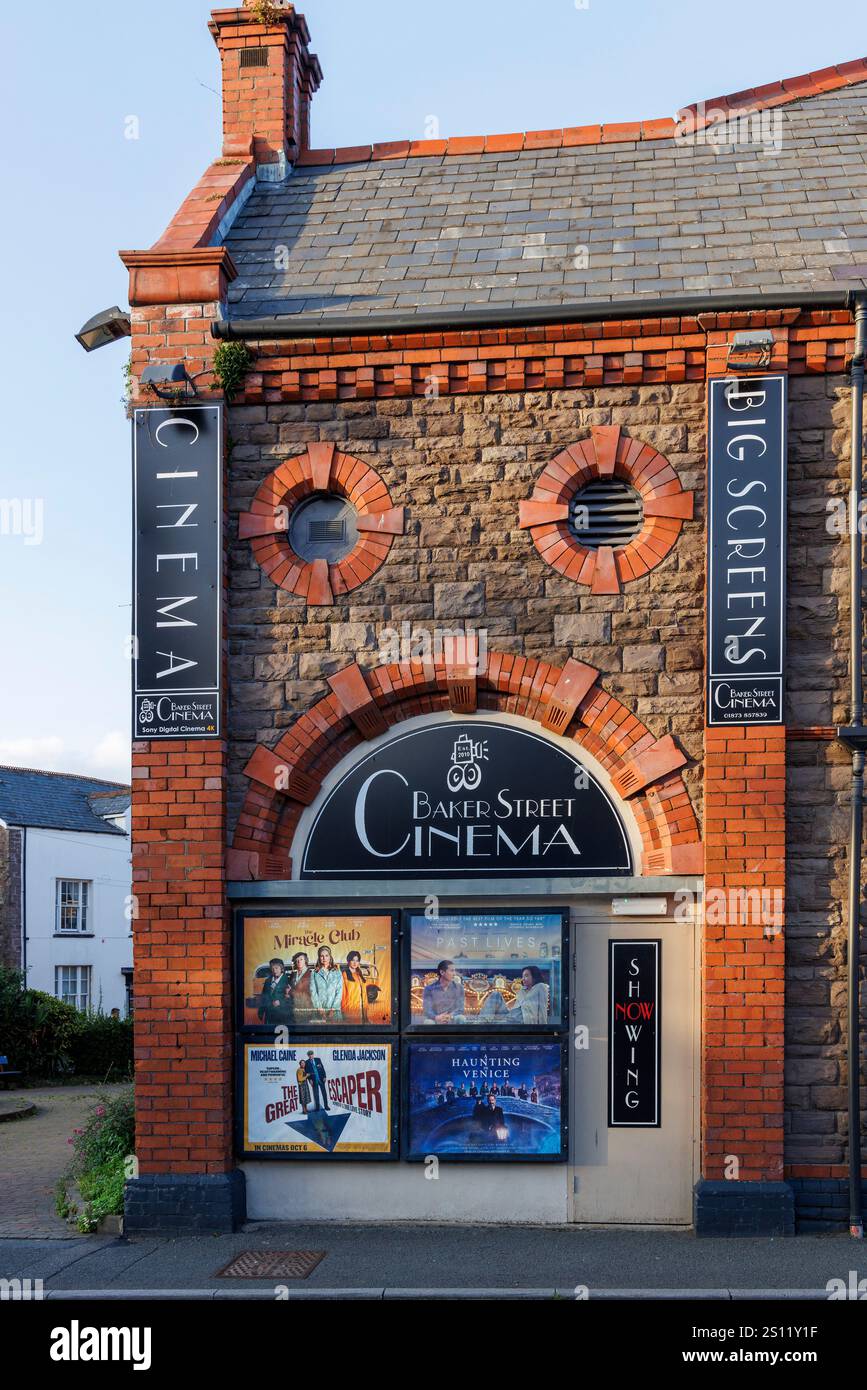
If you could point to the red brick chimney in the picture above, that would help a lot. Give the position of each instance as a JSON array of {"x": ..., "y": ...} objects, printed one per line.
[{"x": 269, "y": 77}]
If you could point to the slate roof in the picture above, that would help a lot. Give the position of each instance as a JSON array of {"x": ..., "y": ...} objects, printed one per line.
[
  {"x": 658, "y": 217},
  {"x": 60, "y": 800},
  {"x": 110, "y": 803}
]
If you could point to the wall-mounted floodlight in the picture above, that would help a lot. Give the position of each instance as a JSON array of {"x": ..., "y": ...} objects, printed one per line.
[
  {"x": 750, "y": 349},
  {"x": 164, "y": 379},
  {"x": 104, "y": 328}
]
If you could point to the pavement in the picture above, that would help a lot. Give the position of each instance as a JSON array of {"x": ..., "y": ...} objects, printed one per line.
[
  {"x": 402, "y": 1260},
  {"x": 35, "y": 1153},
  {"x": 373, "y": 1261}
]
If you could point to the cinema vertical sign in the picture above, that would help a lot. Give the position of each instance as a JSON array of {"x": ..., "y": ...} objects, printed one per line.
[
  {"x": 177, "y": 571},
  {"x": 746, "y": 571}
]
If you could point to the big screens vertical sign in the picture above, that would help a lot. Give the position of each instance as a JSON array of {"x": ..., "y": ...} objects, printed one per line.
[
  {"x": 177, "y": 571},
  {"x": 746, "y": 549}
]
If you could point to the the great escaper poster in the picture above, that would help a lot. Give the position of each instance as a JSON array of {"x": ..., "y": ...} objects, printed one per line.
[{"x": 317, "y": 1098}]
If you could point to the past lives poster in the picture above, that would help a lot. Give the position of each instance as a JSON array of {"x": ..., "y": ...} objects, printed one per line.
[
  {"x": 329, "y": 971},
  {"x": 487, "y": 970},
  {"x": 502, "y": 1098},
  {"x": 317, "y": 1098}
]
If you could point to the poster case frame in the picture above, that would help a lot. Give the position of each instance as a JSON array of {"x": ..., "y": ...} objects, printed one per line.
[
  {"x": 241, "y": 912},
  {"x": 265, "y": 1038},
  {"x": 461, "y": 1039},
  {"x": 412, "y": 1029}
]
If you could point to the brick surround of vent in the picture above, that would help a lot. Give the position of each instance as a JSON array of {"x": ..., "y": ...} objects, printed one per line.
[{"x": 608, "y": 456}]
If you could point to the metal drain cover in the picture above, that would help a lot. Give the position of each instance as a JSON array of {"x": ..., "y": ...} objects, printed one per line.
[{"x": 272, "y": 1264}]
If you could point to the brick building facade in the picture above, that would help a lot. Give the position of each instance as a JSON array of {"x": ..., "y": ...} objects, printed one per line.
[{"x": 455, "y": 338}]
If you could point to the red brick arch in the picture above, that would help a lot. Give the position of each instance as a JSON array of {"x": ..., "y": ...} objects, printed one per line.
[{"x": 565, "y": 700}]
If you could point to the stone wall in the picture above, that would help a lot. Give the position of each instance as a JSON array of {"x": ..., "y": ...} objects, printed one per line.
[
  {"x": 818, "y": 777},
  {"x": 461, "y": 464}
]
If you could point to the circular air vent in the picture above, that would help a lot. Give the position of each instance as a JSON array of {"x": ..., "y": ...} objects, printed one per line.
[
  {"x": 323, "y": 528},
  {"x": 606, "y": 511}
]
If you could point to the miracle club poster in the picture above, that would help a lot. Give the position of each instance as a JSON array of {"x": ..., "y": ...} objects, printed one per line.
[
  {"x": 498, "y": 1098},
  {"x": 311, "y": 972},
  {"x": 484, "y": 969},
  {"x": 317, "y": 1098}
]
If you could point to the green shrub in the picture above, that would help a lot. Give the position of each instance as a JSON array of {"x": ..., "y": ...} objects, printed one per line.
[
  {"x": 102, "y": 1190},
  {"x": 102, "y": 1047},
  {"x": 36, "y": 1030},
  {"x": 43, "y": 1037},
  {"x": 100, "y": 1151},
  {"x": 109, "y": 1132},
  {"x": 63, "y": 1205},
  {"x": 232, "y": 362}
]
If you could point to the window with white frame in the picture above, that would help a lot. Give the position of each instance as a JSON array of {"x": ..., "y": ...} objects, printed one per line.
[
  {"x": 72, "y": 985},
  {"x": 73, "y": 905}
]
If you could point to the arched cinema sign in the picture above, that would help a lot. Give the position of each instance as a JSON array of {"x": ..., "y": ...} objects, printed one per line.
[{"x": 458, "y": 798}]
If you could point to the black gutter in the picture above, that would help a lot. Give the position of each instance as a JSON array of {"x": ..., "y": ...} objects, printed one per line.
[
  {"x": 536, "y": 315},
  {"x": 854, "y": 735}
]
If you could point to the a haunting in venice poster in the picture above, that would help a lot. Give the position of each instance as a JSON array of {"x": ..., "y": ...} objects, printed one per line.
[
  {"x": 316, "y": 972},
  {"x": 498, "y": 1098}
]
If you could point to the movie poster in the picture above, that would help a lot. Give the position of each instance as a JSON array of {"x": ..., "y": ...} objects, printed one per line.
[
  {"x": 317, "y": 1098},
  {"x": 494, "y": 1099},
  {"x": 487, "y": 970},
  {"x": 316, "y": 972}
]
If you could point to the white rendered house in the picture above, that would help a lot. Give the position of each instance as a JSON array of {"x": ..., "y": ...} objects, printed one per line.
[{"x": 64, "y": 913}]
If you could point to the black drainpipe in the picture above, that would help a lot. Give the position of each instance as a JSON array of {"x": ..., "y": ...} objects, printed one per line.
[{"x": 854, "y": 735}]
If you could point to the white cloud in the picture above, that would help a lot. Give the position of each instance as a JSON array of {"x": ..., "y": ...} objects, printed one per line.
[
  {"x": 112, "y": 756},
  {"x": 47, "y": 754},
  {"x": 108, "y": 758}
]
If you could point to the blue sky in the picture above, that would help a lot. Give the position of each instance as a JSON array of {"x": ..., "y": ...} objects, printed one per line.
[{"x": 76, "y": 189}]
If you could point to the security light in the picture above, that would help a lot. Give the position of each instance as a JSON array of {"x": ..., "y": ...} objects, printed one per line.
[
  {"x": 751, "y": 349},
  {"x": 168, "y": 374},
  {"x": 104, "y": 328}
]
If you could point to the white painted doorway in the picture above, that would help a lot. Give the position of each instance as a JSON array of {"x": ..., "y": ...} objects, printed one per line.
[{"x": 634, "y": 1176}]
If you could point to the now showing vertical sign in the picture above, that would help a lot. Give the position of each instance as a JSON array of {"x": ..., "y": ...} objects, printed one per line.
[
  {"x": 746, "y": 567},
  {"x": 633, "y": 1034},
  {"x": 177, "y": 571}
]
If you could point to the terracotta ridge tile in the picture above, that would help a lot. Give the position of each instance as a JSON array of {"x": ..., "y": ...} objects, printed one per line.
[{"x": 786, "y": 90}]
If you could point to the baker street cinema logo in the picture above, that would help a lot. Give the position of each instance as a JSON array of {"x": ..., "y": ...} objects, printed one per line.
[
  {"x": 479, "y": 797},
  {"x": 466, "y": 759}
]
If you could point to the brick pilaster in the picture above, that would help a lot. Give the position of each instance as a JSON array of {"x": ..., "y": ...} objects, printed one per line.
[
  {"x": 182, "y": 958},
  {"x": 181, "y": 934},
  {"x": 743, "y": 998}
]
